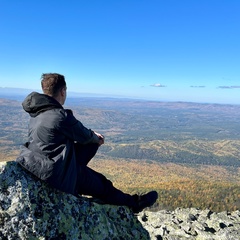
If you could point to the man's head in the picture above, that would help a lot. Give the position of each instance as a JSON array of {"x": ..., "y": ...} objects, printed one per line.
[{"x": 54, "y": 85}]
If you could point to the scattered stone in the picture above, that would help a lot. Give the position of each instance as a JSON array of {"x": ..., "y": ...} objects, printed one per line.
[{"x": 191, "y": 223}]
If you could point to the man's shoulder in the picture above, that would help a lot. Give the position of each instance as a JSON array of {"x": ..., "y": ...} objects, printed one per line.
[
  {"x": 59, "y": 117},
  {"x": 66, "y": 116},
  {"x": 68, "y": 111},
  {"x": 55, "y": 114}
]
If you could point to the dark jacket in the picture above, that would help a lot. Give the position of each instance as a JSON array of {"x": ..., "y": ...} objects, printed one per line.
[{"x": 49, "y": 153}]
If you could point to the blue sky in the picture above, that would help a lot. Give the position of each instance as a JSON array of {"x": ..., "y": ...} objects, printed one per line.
[{"x": 167, "y": 50}]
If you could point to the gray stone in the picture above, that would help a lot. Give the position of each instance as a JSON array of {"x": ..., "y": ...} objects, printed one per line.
[
  {"x": 192, "y": 224},
  {"x": 29, "y": 209}
]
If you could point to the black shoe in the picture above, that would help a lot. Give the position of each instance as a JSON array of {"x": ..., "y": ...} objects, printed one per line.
[{"x": 144, "y": 201}]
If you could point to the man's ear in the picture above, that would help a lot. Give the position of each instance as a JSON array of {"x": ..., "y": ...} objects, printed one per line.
[{"x": 62, "y": 92}]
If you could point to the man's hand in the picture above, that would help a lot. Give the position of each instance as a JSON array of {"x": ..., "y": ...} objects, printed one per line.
[{"x": 101, "y": 138}]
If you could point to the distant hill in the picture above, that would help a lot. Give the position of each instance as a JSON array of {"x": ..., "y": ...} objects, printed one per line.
[
  {"x": 183, "y": 150},
  {"x": 14, "y": 93},
  {"x": 179, "y": 132},
  {"x": 20, "y": 93}
]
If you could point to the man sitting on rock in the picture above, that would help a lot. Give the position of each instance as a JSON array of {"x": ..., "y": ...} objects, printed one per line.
[{"x": 59, "y": 148}]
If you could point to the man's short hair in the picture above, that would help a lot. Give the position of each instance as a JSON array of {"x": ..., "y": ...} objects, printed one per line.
[{"x": 52, "y": 83}]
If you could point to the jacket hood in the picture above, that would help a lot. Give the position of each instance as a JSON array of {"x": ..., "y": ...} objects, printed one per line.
[{"x": 36, "y": 103}]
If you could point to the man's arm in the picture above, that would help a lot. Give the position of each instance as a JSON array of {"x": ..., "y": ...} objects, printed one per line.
[{"x": 76, "y": 131}]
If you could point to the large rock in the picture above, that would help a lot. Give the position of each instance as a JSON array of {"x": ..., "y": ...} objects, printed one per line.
[{"x": 29, "y": 209}]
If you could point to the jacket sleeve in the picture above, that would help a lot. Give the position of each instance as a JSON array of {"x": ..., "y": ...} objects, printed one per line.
[{"x": 75, "y": 130}]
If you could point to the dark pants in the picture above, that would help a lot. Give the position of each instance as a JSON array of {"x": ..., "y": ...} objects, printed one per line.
[{"x": 95, "y": 184}]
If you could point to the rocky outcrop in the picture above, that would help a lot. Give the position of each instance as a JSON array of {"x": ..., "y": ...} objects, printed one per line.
[
  {"x": 191, "y": 224},
  {"x": 29, "y": 209}
]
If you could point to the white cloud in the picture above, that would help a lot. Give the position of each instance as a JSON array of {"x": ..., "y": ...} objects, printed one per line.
[
  {"x": 228, "y": 87},
  {"x": 157, "y": 85}
]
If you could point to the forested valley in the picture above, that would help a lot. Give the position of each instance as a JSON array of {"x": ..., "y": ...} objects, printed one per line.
[{"x": 188, "y": 152}]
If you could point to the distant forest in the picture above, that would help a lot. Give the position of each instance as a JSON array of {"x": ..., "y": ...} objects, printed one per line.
[
  {"x": 183, "y": 150},
  {"x": 176, "y": 132},
  {"x": 165, "y": 132}
]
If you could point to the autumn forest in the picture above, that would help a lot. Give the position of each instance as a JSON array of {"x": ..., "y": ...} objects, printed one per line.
[{"x": 188, "y": 152}]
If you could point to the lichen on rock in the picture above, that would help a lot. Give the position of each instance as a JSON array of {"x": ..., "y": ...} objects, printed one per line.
[{"x": 30, "y": 209}]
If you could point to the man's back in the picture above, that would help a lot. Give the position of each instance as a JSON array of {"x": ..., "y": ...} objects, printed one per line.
[{"x": 49, "y": 153}]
